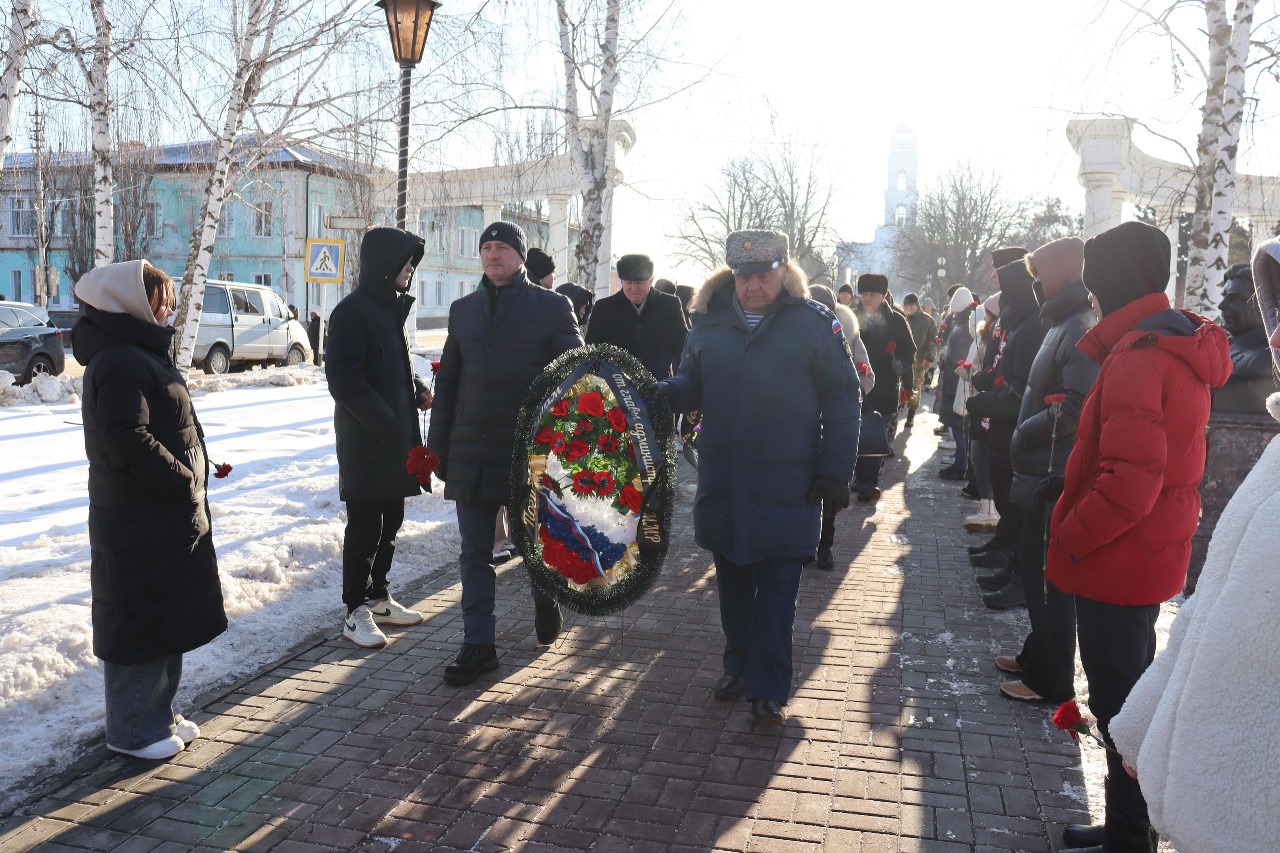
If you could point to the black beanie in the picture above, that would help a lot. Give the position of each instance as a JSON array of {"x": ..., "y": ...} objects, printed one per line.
[
  {"x": 504, "y": 232},
  {"x": 1125, "y": 263},
  {"x": 539, "y": 264},
  {"x": 870, "y": 282},
  {"x": 846, "y": 288},
  {"x": 665, "y": 285},
  {"x": 911, "y": 299},
  {"x": 1004, "y": 257}
]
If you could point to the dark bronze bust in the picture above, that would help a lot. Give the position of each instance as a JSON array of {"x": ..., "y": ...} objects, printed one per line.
[{"x": 1252, "y": 377}]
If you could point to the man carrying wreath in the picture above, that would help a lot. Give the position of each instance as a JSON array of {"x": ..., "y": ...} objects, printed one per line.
[{"x": 772, "y": 374}]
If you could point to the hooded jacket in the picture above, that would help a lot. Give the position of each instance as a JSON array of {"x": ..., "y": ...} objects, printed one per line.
[
  {"x": 371, "y": 378},
  {"x": 500, "y": 339},
  {"x": 1021, "y": 333},
  {"x": 956, "y": 350},
  {"x": 1121, "y": 532},
  {"x": 779, "y": 408},
  {"x": 153, "y": 570},
  {"x": 1042, "y": 440}
]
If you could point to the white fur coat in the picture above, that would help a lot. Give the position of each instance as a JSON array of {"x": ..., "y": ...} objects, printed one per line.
[{"x": 1200, "y": 725}]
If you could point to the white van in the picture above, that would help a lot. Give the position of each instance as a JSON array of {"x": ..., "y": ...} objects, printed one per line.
[{"x": 245, "y": 324}]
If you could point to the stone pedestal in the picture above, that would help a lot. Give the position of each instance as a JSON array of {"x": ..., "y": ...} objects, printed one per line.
[{"x": 1235, "y": 443}]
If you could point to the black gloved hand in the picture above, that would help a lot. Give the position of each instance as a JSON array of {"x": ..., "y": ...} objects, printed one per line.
[
  {"x": 830, "y": 491},
  {"x": 1050, "y": 489},
  {"x": 667, "y": 393}
]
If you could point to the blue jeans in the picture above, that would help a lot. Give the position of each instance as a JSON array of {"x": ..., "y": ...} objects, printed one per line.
[
  {"x": 476, "y": 521},
  {"x": 962, "y": 447},
  {"x": 140, "y": 700},
  {"x": 757, "y": 611}
]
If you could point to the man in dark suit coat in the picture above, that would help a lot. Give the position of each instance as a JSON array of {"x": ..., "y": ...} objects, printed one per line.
[{"x": 643, "y": 321}]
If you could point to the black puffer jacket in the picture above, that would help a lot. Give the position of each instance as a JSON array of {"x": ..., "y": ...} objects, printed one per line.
[
  {"x": 375, "y": 419},
  {"x": 153, "y": 570},
  {"x": 655, "y": 336},
  {"x": 500, "y": 339},
  {"x": 1059, "y": 368},
  {"x": 1023, "y": 332}
]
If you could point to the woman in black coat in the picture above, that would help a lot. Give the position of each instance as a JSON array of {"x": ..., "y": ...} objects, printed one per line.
[{"x": 154, "y": 573}]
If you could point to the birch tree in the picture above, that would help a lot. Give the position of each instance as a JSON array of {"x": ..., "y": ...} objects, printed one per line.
[
  {"x": 22, "y": 21},
  {"x": 588, "y": 136}
]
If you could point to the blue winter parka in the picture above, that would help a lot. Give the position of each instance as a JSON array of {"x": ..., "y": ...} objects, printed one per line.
[{"x": 780, "y": 406}]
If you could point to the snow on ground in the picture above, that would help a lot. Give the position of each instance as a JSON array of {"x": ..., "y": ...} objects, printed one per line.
[{"x": 278, "y": 526}]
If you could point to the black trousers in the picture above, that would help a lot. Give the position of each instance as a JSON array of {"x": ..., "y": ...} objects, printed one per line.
[
  {"x": 367, "y": 550},
  {"x": 1117, "y": 644},
  {"x": 828, "y": 536},
  {"x": 1009, "y": 530},
  {"x": 1048, "y": 657}
]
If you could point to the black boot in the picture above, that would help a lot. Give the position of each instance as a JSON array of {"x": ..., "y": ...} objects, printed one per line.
[
  {"x": 1083, "y": 835},
  {"x": 996, "y": 580},
  {"x": 989, "y": 545},
  {"x": 1007, "y": 597},
  {"x": 993, "y": 559},
  {"x": 474, "y": 659},
  {"x": 546, "y": 621}
]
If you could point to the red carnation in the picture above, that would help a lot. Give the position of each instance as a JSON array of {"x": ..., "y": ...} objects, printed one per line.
[
  {"x": 591, "y": 404},
  {"x": 1069, "y": 719},
  {"x": 560, "y": 409},
  {"x": 864, "y": 368},
  {"x": 617, "y": 419},
  {"x": 890, "y": 347},
  {"x": 1000, "y": 383},
  {"x": 1055, "y": 398},
  {"x": 576, "y": 450},
  {"x": 557, "y": 442},
  {"x": 607, "y": 444},
  {"x": 421, "y": 463},
  {"x": 967, "y": 365},
  {"x": 584, "y": 483},
  {"x": 544, "y": 436},
  {"x": 435, "y": 368},
  {"x": 630, "y": 498},
  {"x": 221, "y": 471},
  {"x": 974, "y": 304},
  {"x": 583, "y": 426},
  {"x": 605, "y": 484}
]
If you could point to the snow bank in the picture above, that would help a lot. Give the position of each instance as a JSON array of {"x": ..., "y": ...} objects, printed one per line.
[
  {"x": 278, "y": 527},
  {"x": 41, "y": 389},
  {"x": 303, "y": 374}
]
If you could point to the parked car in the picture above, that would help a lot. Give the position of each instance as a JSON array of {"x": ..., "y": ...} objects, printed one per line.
[
  {"x": 42, "y": 313},
  {"x": 28, "y": 346},
  {"x": 245, "y": 324}
]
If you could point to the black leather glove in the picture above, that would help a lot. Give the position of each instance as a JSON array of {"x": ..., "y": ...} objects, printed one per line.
[
  {"x": 830, "y": 491},
  {"x": 667, "y": 393},
  {"x": 1050, "y": 489}
]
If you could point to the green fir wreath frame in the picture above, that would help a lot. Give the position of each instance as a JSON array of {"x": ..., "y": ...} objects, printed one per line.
[{"x": 660, "y": 493}]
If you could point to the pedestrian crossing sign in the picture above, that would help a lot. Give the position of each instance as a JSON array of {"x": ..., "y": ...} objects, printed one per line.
[{"x": 324, "y": 261}]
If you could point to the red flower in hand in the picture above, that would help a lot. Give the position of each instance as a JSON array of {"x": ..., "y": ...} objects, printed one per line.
[
  {"x": 974, "y": 304},
  {"x": 584, "y": 483},
  {"x": 421, "y": 463},
  {"x": 576, "y": 450},
  {"x": 890, "y": 347},
  {"x": 605, "y": 484},
  {"x": 560, "y": 409},
  {"x": 630, "y": 498},
  {"x": 864, "y": 368},
  {"x": 583, "y": 426},
  {"x": 617, "y": 419},
  {"x": 1055, "y": 398},
  {"x": 545, "y": 436},
  {"x": 967, "y": 365},
  {"x": 1069, "y": 719},
  {"x": 221, "y": 471},
  {"x": 591, "y": 404},
  {"x": 435, "y": 368},
  {"x": 1000, "y": 383},
  {"x": 607, "y": 444}
]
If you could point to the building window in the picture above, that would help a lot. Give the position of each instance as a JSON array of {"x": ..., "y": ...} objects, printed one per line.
[
  {"x": 22, "y": 217},
  {"x": 15, "y": 284},
  {"x": 442, "y": 293},
  {"x": 900, "y": 216},
  {"x": 902, "y": 182},
  {"x": 264, "y": 219},
  {"x": 227, "y": 220},
  {"x": 440, "y": 237},
  {"x": 226, "y": 276},
  {"x": 262, "y": 278},
  {"x": 152, "y": 219},
  {"x": 317, "y": 220}
]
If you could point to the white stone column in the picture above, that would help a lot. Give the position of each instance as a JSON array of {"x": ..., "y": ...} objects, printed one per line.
[
  {"x": 558, "y": 225},
  {"x": 1170, "y": 219},
  {"x": 1118, "y": 197},
  {"x": 1097, "y": 202},
  {"x": 492, "y": 212}
]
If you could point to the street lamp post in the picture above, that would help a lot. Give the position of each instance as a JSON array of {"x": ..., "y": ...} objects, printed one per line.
[{"x": 409, "y": 22}]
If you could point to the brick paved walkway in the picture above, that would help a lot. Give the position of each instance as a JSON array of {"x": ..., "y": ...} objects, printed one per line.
[{"x": 611, "y": 740}]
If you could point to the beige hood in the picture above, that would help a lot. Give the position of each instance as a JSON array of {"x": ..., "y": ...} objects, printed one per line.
[{"x": 117, "y": 289}]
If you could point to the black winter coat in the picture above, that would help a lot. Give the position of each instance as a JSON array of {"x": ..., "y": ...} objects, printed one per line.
[
  {"x": 500, "y": 339},
  {"x": 153, "y": 569},
  {"x": 959, "y": 342},
  {"x": 1058, "y": 368},
  {"x": 1252, "y": 378},
  {"x": 371, "y": 379},
  {"x": 656, "y": 335},
  {"x": 1022, "y": 332},
  {"x": 885, "y": 330}
]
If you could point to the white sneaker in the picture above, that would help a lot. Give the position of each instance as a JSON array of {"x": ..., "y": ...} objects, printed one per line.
[
  {"x": 358, "y": 627},
  {"x": 161, "y": 749},
  {"x": 948, "y": 444},
  {"x": 949, "y": 460},
  {"x": 186, "y": 729},
  {"x": 984, "y": 520},
  {"x": 388, "y": 611}
]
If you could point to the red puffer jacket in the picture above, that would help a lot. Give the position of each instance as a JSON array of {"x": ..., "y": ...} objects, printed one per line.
[{"x": 1121, "y": 532}]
